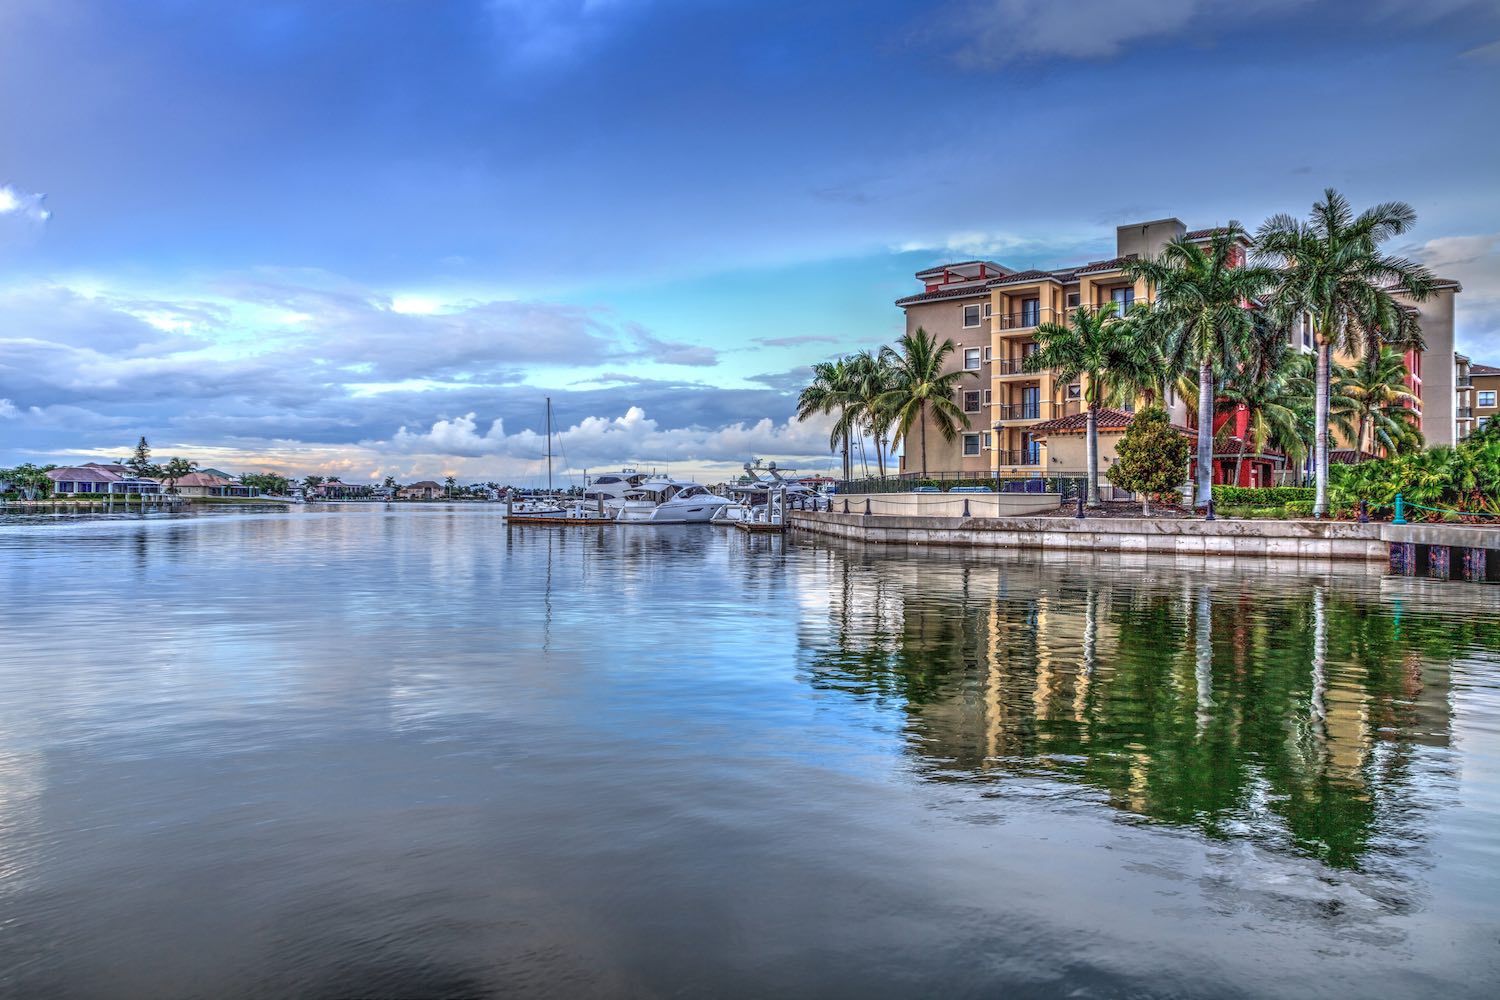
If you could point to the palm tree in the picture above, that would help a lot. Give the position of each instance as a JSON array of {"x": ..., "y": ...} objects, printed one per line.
[
  {"x": 920, "y": 387},
  {"x": 448, "y": 484},
  {"x": 1115, "y": 354},
  {"x": 1265, "y": 384},
  {"x": 830, "y": 391},
  {"x": 870, "y": 380},
  {"x": 1379, "y": 403},
  {"x": 175, "y": 470},
  {"x": 1330, "y": 268},
  {"x": 1201, "y": 295}
]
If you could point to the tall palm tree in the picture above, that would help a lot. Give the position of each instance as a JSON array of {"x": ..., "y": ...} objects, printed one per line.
[
  {"x": 920, "y": 388},
  {"x": 830, "y": 392},
  {"x": 870, "y": 380},
  {"x": 1330, "y": 268},
  {"x": 1380, "y": 403},
  {"x": 1201, "y": 295},
  {"x": 1115, "y": 354},
  {"x": 1265, "y": 383}
]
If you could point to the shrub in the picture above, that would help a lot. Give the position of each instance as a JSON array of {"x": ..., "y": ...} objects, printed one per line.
[
  {"x": 1261, "y": 496},
  {"x": 1300, "y": 508},
  {"x": 1152, "y": 456}
]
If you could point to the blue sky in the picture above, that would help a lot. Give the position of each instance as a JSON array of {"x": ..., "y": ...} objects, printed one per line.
[{"x": 367, "y": 238}]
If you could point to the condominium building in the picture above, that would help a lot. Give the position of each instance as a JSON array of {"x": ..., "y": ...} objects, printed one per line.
[
  {"x": 1485, "y": 388},
  {"x": 1028, "y": 423}
]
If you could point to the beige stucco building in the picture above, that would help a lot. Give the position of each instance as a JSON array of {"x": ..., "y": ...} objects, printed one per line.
[{"x": 1019, "y": 421}]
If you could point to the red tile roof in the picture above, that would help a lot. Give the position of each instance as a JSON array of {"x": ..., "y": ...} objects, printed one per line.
[
  {"x": 967, "y": 291},
  {"x": 1077, "y": 423},
  {"x": 83, "y": 474},
  {"x": 1477, "y": 369}
]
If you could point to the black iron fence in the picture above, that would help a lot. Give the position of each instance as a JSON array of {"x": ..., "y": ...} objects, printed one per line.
[{"x": 943, "y": 482}]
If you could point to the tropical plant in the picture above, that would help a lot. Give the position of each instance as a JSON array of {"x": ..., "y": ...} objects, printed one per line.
[
  {"x": 267, "y": 482},
  {"x": 1330, "y": 269},
  {"x": 1200, "y": 299},
  {"x": 1463, "y": 478},
  {"x": 1150, "y": 456},
  {"x": 174, "y": 470},
  {"x": 830, "y": 392},
  {"x": 1379, "y": 414},
  {"x": 869, "y": 382},
  {"x": 920, "y": 389},
  {"x": 1265, "y": 383},
  {"x": 29, "y": 480},
  {"x": 1112, "y": 355},
  {"x": 448, "y": 483}
]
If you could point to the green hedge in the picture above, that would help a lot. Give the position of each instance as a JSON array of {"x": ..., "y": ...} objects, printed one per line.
[{"x": 1261, "y": 496}]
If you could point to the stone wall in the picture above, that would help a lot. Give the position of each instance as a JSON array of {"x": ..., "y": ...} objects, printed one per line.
[{"x": 1289, "y": 539}]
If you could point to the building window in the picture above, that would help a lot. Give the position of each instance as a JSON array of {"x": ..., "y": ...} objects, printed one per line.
[
  {"x": 1486, "y": 397},
  {"x": 1075, "y": 391},
  {"x": 971, "y": 359},
  {"x": 1027, "y": 350},
  {"x": 1123, "y": 298},
  {"x": 971, "y": 400},
  {"x": 971, "y": 444},
  {"x": 1307, "y": 337},
  {"x": 971, "y": 315},
  {"x": 1073, "y": 300},
  {"x": 984, "y": 437},
  {"x": 1031, "y": 312},
  {"x": 987, "y": 355},
  {"x": 989, "y": 309},
  {"x": 988, "y": 397},
  {"x": 1479, "y": 424}
]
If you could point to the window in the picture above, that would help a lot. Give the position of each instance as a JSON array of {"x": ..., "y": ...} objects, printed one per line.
[
  {"x": 1073, "y": 300},
  {"x": 1031, "y": 312},
  {"x": 984, "y": 439},
  {"x": 1031, "y": 403},
  {"x": 1486, "y": 397},
  {"x": 1031, "y": 450},
  {"x": 1027, "y": 350},
  {"x": 1075, "y": 391},
  {"x": 971, "y": 444},
  {"x": 971, "y": 315},
  {"x": 988, "y": 397},
  {"x": 987, "y": 356},
  {"x": 971, "y": 359},
  {"x": 1307, "y": 337},
  {"x": 989, "y": 309},
  {"x": 1479, "y": 424},
  {"x": 971, "y": 400},
  {"x": 1123, "y": 298}
]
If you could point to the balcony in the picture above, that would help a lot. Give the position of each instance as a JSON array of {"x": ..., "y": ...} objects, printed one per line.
[
  {"x": 1015, "y": 413},
  {"x": 1013, "y": 366},
  {"x": 1465, "y": 382},
  {"x": 1020, "y": 456},
  {"x": 1028, "y": 319},
  {"x": 1465, "y": 412}
]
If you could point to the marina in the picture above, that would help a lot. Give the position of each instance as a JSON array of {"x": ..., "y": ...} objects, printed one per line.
[{"x": 400, "y": 749}]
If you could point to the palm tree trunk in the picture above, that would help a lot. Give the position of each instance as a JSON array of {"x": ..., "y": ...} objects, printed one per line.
[
  {"x": 1320, "y": 443},
  {"x": 1093, "y": 453},
  {"x": 923, "y": 417},
  {"x": 1359, "y": 444},
  {"x": 1205, "y": 433},
  {"x": 1239, "y": 462},
  {"x": 848, "y": 466}
]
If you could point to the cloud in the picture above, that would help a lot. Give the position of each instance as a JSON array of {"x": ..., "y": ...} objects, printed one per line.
[
  {"x": 21, "y": 205},
  {"x": 8, "y": 410},
  {"x": 1007, "y": 31},
  {"x": 1473, "y": 261},
  {"x": 795, "y": 341},
  {"x": 668, "y": 352},
  {"x": 597, "y": 441}
]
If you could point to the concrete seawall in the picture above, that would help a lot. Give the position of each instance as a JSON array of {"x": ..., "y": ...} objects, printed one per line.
[{"x": 1288, "y": 539}]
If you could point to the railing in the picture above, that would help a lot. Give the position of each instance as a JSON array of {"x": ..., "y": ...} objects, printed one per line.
[
  {"x": 1028, "y": 318},
  {"x": 1466, "y": 382},
  {"x": 1013, "y": 366},
  {"x": 1034, "y": 410},
  {"x": 1068, "y": 486},
  {"x": 1465, "y": 412},
  {"x": 1020, "y": 456}
]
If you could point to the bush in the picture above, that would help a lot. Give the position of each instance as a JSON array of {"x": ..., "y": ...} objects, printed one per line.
[
  {"x": 1465, "y": 478},
  {"x": 1151, "y": 456},
  {"x": 1300, "y": 508},
  {"x": 1261, "y": 496}
]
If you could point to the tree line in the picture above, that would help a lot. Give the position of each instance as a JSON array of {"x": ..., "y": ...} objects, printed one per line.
[{"x": 1219, "y": 326}]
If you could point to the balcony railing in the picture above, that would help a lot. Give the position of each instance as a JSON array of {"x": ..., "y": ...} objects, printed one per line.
[
  {"x": 1020, "y": 456},
  {"x": 1465, "y": 412},
  {"x": 1466, "y": 382},
  {"x": 1012, "y": 366},
  {"x": 1028, "y": 318},
  {"x": 1013, "y": 412}
]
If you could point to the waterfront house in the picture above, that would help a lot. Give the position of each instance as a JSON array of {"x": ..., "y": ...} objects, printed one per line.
[
  {"x": 341, "y": 491},
  {"x": 95, "y": 479},
  {"x": 212, "y": 484},
  {"x": 425, "y": 490},
  {"x": 991, "y": 312}
]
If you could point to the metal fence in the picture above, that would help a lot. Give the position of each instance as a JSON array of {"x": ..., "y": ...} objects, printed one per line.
[{"x": 1068, "y": 486}]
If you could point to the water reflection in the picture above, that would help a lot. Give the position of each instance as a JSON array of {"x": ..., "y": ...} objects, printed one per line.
[{"x": 1284, "y": 715}]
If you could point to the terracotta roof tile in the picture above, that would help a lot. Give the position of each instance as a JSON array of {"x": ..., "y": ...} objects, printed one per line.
[
  {"x": 1077, "y": 423},
  {"x": 1478, "y": 369},
  {"x": 967, "y": 291}
]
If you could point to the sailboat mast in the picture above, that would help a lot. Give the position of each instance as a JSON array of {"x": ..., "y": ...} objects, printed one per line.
[{"x": 549, "y": 444}]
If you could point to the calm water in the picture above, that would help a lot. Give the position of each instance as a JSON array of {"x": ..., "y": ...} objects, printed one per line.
[{"x": 412, "y": 753}]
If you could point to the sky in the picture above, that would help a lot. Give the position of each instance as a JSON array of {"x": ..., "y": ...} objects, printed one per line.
[{"x": 370, "y": 239}]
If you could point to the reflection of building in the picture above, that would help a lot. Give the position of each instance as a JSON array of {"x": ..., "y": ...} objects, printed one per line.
[{"x": 1193, "y": 703}]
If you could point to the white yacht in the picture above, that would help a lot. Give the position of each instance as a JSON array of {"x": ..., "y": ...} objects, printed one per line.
[{"x": 667, "y": 501}]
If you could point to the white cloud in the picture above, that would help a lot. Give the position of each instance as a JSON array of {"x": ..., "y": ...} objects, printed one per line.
[
  {"x": 596, "y": 441},
  {"x": 25, "y": 206},
  {"x": 1473, "y": 261},
  {"x": 8, "y": 410}
]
